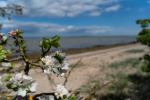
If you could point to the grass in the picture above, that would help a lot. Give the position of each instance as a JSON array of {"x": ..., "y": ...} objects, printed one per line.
[
  {"x": 133, "y": 86},
  {"x": 92, "y": 85},
  {"x": 127, "y": 62},
  {"x": 120, "y": 84},
  {"x": 126, "y": 86},
  {"x": 119, "y": 89},
  {"x": 135, "y": 51}
]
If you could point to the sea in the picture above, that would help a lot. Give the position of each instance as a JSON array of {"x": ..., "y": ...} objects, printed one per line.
[{"x": 68, "y": 42}]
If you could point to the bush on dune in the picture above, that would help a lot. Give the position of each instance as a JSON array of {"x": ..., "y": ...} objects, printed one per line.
[{"x": 144, "y": 38}]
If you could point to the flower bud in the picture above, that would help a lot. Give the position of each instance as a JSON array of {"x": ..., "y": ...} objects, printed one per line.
[{"x": 12, "y": 33}]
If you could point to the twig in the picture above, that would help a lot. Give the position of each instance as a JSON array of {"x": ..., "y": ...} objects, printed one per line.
[
  {"x": 89, "y": 97},
  {"x": 51, "y": 81},
  {"x": 13, "y": 59},
  {"x": 69, "y": 72}
]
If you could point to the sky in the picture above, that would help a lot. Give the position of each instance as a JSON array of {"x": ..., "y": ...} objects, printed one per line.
[{"x": 77, "y": 17}]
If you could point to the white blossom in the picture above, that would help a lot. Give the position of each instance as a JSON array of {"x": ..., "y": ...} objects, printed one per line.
[
  {"x": 22, "y": 92},
  {"x": 65, "y": 66},
  {"x": 56, "y": 64},
  {"x": 19, "y": 77},
  {"x": 6, "y": 64},
  {"x": 61, "y": 91},
  {"x": 24, "y": 84},
  {"x": 47, "y": 71},
  {"x": 48, "y": 60},
  {"x": 62, "y": 74},
  {"x": 33, "y": 86},
  {"x": 25, "y": 77}
]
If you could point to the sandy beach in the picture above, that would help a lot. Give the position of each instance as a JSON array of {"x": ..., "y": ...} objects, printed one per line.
[
  {"x": 75, "y": 49},
  {"x": 94, "y": 65}
]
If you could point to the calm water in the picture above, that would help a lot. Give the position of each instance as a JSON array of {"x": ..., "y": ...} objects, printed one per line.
[{"x": 82, "y": 42}]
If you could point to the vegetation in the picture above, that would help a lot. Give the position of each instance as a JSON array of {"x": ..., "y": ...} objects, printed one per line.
[
  {"x": 127, "y": 62},
  {"x": 144, "y": 38},
  {"x": 133, "y": 86},
  {"x": 135, "y": 51}
]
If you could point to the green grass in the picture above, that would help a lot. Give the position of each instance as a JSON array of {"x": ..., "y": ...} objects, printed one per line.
[
  {"x": 127, "y": 62},
  {"x": 120, "y": 84},
  {"x": 91, "y": 85},
  {"x": 135, "y": 51},
  {"x": 118, "y": 90}
]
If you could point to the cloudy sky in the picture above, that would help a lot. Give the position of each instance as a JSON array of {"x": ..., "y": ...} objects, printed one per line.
[{"x": 77, "y": 17}]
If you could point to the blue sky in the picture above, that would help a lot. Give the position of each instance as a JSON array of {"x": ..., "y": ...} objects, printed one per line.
[{"x": 78, "y": 17}]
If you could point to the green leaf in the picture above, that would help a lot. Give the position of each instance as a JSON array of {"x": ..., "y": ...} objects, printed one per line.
[
  {"x": 3, "y": 39},
  {"x": 72, "y": 98},
  {"x": 55, "y": 41},
  {"x": 59, "y": 57},
  {"x": 6, "y": 77},
  {"x": 3, "y": 53},
  {"x": 45, "y": 43}
]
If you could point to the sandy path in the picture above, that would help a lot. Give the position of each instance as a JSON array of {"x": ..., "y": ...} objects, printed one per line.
[
  {"x": 92, "y": 66},
  {"x": 111, "y": 50}
]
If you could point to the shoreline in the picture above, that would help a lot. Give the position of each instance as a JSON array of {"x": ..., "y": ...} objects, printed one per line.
[{"x": 74, "y": 51}]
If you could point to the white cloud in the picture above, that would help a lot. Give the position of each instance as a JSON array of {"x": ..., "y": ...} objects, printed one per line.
[
  {"x": 95, "y": 13},
  {"x": 45, "y": 29},
  {"x": 70, "y": 8},
  {"x": 113, "y": 8},
  {"x": 3, "y": 4}
]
